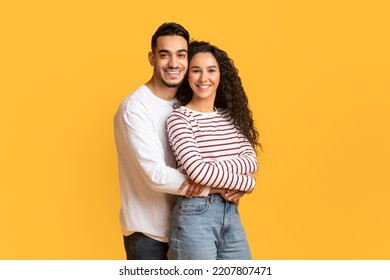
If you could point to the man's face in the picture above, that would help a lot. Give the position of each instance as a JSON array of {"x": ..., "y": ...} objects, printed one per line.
[{"x": 170, "y": 60}]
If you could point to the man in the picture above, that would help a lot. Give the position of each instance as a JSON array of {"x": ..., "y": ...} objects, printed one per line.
[{"x": 148, "y": 179}]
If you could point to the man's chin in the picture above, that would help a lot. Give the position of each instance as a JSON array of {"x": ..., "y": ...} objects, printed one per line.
[{"x": 171, "y": 85}]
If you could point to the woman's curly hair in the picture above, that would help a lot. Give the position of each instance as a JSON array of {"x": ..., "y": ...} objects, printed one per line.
[{"x": 230, "y": 92}]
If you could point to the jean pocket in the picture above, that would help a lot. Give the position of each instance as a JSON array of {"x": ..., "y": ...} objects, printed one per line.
[{"x": 194, "y": 206}]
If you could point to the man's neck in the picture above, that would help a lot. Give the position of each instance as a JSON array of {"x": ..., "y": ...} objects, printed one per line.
[{"x": 161, "y": 90}]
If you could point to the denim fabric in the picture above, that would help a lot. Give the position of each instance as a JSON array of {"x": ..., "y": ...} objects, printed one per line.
[
  {"x": 141, "y": 247},
  {"x": 207, "y": 228}
]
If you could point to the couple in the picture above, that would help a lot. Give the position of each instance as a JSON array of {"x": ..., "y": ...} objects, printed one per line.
[{"x": 182, "y": 171}]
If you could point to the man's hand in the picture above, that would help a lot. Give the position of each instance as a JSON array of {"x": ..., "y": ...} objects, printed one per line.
[
  {"x": 194, "y": 189},
  {"x": 233, "y": 196}
]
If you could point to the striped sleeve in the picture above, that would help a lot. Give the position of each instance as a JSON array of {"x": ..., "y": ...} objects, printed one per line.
[
  {"x": 245, "y": 163},
  {"x": 188, "y": 156}
]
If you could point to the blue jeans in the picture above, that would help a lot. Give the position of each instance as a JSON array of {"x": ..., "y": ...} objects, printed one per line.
[
  {"x": 141, "y": 247},
  {"x": 207, "y": 228}
]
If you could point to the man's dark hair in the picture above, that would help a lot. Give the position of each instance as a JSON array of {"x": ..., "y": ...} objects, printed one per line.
[{"x": 170, "y": 29}]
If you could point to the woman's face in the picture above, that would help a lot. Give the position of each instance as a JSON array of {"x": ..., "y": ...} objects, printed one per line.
[{"x": 203, "y": 77}]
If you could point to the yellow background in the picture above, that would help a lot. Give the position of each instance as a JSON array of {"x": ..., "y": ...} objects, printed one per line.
[{"x": 317, "y": 75}]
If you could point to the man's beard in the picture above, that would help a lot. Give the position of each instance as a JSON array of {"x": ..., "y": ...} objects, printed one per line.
[
  {"x": 167, "y": 84},
  {"x": 170, "y": 85}
]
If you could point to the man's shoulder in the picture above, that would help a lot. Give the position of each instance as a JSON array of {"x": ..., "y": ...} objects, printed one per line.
[
  {"x": 139, "y": 95},
  {"x": 135, "y": 102}
]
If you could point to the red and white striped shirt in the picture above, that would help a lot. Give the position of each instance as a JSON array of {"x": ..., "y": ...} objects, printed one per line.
[{"x": 210, "y": 149}]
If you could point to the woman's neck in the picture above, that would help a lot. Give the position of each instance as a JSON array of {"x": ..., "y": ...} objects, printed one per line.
[
  {"x": 201, "y": 106},
  {"x": 202, "y": 109}
]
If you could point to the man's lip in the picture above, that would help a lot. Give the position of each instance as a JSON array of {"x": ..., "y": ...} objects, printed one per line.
[{"x": 173, "y": 71}]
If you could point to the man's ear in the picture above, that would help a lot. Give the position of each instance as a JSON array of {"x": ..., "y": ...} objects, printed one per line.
[{"x": 151, "y": 58}]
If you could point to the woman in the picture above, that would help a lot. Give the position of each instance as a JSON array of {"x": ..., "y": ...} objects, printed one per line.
[{"x": 213, "y": 139}]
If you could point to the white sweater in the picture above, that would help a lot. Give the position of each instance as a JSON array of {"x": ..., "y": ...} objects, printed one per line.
[{"x": 148, "y": 178}]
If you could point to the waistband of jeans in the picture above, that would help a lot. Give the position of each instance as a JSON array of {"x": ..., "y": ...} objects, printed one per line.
[{"x": 215, "y": 197}]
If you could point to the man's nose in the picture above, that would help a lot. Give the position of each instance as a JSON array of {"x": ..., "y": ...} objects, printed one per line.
[{"x": 173, "y": 61}]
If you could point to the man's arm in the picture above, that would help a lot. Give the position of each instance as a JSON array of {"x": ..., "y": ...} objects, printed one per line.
[{"x": 134, "y": 132}]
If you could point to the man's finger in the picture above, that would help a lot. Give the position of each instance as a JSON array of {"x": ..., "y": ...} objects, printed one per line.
[
  {"x": 185, "y": 184},
  {"x": 190, "y": 189}
]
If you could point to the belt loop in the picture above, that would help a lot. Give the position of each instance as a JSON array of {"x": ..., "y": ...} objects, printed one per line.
[{"x": 211, "y": 198}]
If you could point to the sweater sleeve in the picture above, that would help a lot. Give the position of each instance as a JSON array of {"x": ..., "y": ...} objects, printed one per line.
[
  {"x": 245, "y": 163},
  {"x": 184, "y": 145}
]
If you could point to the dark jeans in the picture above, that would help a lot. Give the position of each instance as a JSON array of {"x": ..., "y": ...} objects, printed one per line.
[{"x": 141, "y": 247}]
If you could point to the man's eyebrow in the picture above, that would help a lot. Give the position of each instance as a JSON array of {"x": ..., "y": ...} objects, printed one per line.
[{"x": 167, "y": 51}]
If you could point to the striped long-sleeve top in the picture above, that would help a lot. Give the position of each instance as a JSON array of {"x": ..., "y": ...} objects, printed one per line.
[{"x": 210, "y": 149}]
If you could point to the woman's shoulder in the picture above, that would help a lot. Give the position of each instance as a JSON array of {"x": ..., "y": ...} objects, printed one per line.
[
  {"x": 179, "y": 113},
  {"x": 224, "y": 112}
]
